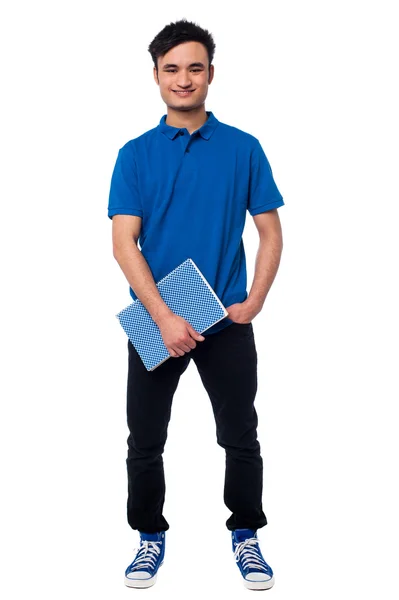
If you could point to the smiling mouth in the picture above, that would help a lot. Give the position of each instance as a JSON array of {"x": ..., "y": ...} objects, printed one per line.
[{"x": 183, "y": 92}]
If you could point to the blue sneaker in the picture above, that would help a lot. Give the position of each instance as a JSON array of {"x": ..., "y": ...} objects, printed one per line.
[
  {"x": 257, "y": 574},
  {"x": 142, "y": 572}
]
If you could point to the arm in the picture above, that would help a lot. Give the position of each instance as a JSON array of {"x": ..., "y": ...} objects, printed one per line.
[
  {"x": 178, "y": 335},
  {"x": 264, "y": 200},
  {"x": 267, "y": 258},
  {"x": 125, "y": 233},
  {"x": 266, "y": 266},
  {"x": 126, "y": 211}
]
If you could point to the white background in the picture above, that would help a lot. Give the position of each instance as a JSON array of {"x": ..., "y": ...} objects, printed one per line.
[{"x": 316, "y": 83}]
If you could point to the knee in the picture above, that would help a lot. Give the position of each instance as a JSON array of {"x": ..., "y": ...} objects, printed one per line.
[
  {"x": 144, "y": 448},
  {"x": 240, "y": 448}
]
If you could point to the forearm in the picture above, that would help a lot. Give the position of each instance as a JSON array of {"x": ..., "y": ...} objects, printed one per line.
[
  {"x": 141, "y": 280},
  {"x": 266, "y": 267}
]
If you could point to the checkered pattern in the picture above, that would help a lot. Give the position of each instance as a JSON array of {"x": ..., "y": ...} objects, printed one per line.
[{"x": 187, "y": 294}]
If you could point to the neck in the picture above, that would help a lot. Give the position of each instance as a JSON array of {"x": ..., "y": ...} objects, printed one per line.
[{"x": 190, "y": 119}]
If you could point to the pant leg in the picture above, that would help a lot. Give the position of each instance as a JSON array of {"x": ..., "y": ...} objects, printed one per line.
[
  {"x": 227, "y": 364},
  {"x": 149, "y": 401}
]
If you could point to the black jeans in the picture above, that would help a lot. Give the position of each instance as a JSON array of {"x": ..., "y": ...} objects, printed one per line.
[{"x": 227, "y": 364}]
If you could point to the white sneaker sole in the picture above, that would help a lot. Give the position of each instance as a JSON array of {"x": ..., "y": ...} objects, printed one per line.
[
  {"x": 142, "y": 583},
  {"x": 259, "y": 585}
]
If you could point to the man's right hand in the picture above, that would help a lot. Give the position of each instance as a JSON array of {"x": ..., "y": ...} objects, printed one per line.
[{"x": 178, "y": 335}]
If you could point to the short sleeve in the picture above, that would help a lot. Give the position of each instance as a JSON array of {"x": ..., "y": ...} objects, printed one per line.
[
  {"x": 124, "y": 197},
  {"x": 263, "y": 192}
]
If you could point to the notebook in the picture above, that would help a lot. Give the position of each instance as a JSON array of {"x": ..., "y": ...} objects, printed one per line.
[{"x": 188, "y": 294}]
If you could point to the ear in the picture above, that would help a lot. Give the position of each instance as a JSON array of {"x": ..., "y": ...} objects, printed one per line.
[
  {"x": 211, "y": 73},
  {"x": 156, "y": 76}
]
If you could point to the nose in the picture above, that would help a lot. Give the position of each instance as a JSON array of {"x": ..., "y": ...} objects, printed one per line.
[{"x": 183, "y": 80}]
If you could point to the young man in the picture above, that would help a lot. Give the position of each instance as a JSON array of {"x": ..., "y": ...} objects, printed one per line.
[{"x": 182, "y": 190}]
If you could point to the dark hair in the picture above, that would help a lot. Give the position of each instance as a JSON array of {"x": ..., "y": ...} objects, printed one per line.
[{"x": 177, "y": 33}]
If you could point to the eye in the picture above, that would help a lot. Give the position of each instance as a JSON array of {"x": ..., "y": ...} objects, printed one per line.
[{"x": 174, "y": 70}]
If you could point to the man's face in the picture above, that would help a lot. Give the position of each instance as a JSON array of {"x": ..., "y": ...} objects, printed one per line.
[{"x": 183, "y": 76}]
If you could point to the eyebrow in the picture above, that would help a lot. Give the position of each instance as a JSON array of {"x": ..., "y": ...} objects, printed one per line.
[{"x": 195, "y": 64}]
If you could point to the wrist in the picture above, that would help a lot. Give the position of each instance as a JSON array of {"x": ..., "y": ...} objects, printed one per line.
[
  {"x": 253, "y": 304},
  {"x": 161, "y": 315}
]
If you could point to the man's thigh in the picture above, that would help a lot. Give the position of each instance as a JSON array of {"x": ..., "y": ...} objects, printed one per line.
[
  {"x": 227, "y": 365},
  {"x": 150, "y": 395},
  {"x": 229, "y": 354}
]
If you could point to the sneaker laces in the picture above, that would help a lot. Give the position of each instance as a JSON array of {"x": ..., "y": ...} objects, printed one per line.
[
  {"x": 249, "y": 555},
  {"x": 147, "y": 555}
]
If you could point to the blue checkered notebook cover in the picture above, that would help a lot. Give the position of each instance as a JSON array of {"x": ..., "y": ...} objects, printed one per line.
[{"x": 188, "y": 294}]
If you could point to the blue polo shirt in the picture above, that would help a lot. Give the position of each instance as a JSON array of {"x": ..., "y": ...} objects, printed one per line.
[{"x": 192, "y": 193}]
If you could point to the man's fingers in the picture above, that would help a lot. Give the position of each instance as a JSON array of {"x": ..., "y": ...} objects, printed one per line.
[{"x": 194, "y": 334}]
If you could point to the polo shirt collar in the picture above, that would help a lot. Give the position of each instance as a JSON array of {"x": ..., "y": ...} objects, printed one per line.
[{"x": 205, "y": 130}]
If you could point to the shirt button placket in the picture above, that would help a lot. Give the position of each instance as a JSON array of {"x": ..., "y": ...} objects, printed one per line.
[{"x": 181, "y": 132}]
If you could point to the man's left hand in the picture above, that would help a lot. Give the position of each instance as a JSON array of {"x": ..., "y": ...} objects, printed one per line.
[{"x": 242, "y": 312}]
